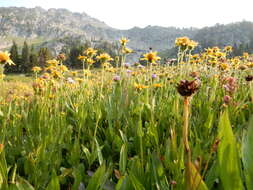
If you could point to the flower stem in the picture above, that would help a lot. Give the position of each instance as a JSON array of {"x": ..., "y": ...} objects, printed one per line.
[{"x": 186, "y": 143}]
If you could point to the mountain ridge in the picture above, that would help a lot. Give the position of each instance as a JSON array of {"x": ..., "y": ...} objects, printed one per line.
[{"x": 38, "y": 24}]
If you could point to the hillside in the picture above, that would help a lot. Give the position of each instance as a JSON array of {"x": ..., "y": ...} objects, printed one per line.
[
  {"x": 46, "y": 27},
  {"x": 34, "y": 23}
]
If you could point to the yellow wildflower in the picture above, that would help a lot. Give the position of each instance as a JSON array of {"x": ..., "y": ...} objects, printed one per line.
[
  {"x": 63, "y": 68},
  {"x": 5, "y": 58},
  {"x": 81, "y": 57},
  {"x": 224, "y": 66},
  {"x": 53, "y": 62},
  {"x": 157, "y": 85},
  {"x": 90, "y": 61},
  {"x": 151, "y": 57},
  {"x": 123, "y": 41},
  {"x": 140, "y": 86},
  {"x": 228, "y": 49},
  {"x": 127, "y": 50},
  {"x": 90, "y": 52},
  {"x": 245, "y": 55},
  {"x": 74, "y": 73},
  {"x": 104, "y": 57},
  {"x": 36, "y": 69},
  {"x": 185, "y": 42}
]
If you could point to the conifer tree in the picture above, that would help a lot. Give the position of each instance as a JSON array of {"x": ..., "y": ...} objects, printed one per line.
[
  {"x": 25, "y": 58},
  {"x": 14, "y": 57},
  {"x": 43, "y": 55}
]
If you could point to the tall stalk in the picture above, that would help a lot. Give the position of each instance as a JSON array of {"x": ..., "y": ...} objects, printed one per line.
[
  {"x": 186, "y": 89},
  {"x": 187, "y": 149}
]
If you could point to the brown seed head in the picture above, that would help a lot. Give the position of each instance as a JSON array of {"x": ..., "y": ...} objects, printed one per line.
[
  {"x": 187, "y": 88},
  {"x": 249, "y": 78},
  {"x": 215, "y": 145}
]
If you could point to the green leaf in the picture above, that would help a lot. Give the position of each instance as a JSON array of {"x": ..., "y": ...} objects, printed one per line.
[
  {"x": 99, "y": 153},
  {"x": 22, "y": 184},
  {"x": 228, "y": 158},
  {"x": 197, "y": 181},
  {"x": 247, "y": 155},
  {"x": 3, "y": 168},
  {"x": 1, "y": 113},
  {"x": 212, "y": 175},
  {"x": 54, "y": 183},
  {"x": 137, "y": 185},
  {"x": 97, "y": 179},
  {"x": 123, "y": 159},
  {"x": 123, "y": 183},
  {"x": 78, "y": 173}
]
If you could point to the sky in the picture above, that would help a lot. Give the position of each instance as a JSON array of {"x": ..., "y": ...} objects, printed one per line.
[{"x": 125, "y": 14}]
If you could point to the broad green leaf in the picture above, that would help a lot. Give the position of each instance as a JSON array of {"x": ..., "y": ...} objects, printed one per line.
[
  {"x": 54, "y": 183},
  {"x": 197, "y": 181},
  {"x": 97, "y": 179},
  {"x": 248, "y": 155},
  {"x": 137, "y": 185},
  {"x": 212, "y": 175},
  {"x": 78, "y": 173},
  {"x": 123, "y": 183},
  {"x": 22, "y": 184},
  {"x": 123, "y": 159},
  {"x": 228, "y": 158}
]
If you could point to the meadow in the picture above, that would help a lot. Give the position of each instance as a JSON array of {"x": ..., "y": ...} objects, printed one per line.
[{"x": 183, "y": 125}]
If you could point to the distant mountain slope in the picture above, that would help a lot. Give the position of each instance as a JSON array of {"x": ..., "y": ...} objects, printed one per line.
[
  {"x": 51, "y": 24},
  {"x": 230, "y": 34},
  {"x": 42, "y": 26}
]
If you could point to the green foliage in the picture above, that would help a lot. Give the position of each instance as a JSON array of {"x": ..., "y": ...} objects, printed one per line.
[
  {"x": 247, "y": 155},
  {"x": 228, "y": 157}
]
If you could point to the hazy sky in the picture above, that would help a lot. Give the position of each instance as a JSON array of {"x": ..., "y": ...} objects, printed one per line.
[{"x": 125, "y": 14}]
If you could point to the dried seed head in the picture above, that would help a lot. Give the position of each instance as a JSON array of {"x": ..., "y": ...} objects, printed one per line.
[
  {"x": 249, "y": 78},
  {"x": 187, "y": 88},
  {"x": 215, "y": 145},
  {"x": 230, "y": 84},
  {"x": 226, "y": 99}
]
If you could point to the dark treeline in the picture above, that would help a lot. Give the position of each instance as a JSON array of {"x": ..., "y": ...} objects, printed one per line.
[{"x": 28, "y": 56}]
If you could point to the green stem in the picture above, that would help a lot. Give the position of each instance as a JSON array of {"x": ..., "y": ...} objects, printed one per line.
[{"x": 186, "y": 143}]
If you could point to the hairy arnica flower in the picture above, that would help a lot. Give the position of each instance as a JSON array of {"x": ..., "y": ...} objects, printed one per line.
[
  {"x": 36, "y": 69},
  {"x": 185, "y": 42},
  {"x": 187, "y": 88},
  {"x": 151, "y": 57},
  {"x": 123, "y": 41},
  {"x": 5, "y": 58},
  {"x": 90, "y": 52},
  {"x": 104, "y": 57},
  {"x": 127, "y": 50},
  {"x": 81, "y": 57}
]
